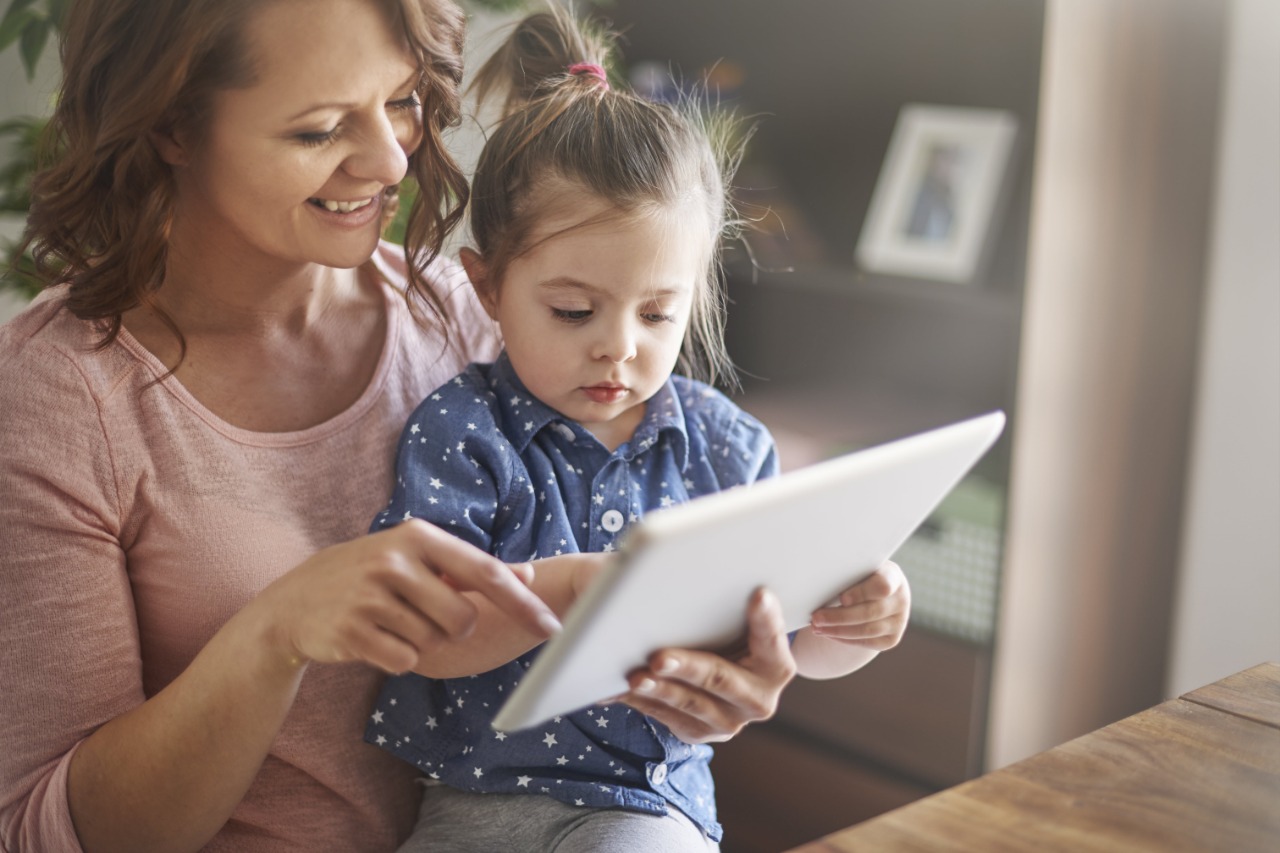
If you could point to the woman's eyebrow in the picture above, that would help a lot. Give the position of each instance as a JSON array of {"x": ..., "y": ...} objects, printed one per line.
[{"x": 411, "y": 80}]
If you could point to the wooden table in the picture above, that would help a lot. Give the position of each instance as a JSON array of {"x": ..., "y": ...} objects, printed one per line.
[{"x": 1200, "y": 772}]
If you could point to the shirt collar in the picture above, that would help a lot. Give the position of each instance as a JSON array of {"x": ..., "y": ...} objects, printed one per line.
[{"x": 528, "y": 415}]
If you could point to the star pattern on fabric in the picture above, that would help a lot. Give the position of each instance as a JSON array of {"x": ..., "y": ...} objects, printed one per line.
[{"x": 520, "y": 482}]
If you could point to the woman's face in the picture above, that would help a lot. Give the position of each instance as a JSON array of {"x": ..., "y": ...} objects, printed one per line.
[{"x": 295, "y": 167}]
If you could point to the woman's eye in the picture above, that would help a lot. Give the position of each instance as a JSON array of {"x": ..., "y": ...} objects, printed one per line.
[
  {"x": 318, "y": 138},
  {"x": 569, "y": 316},
  {"x": 409, "y": 103}
]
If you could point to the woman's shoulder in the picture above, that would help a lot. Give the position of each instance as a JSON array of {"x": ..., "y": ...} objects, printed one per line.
[
  {"x": 443, "y": 275},
  {"x": 47, "y": 347},
  {"x": 470, "y": 333}
]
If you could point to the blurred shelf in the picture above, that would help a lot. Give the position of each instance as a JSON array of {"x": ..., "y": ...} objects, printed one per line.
[
  {"x": 815, "y": 422},
  {"x": 973, "y": 301}
]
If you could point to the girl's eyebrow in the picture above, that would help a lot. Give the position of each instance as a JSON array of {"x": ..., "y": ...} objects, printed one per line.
[
  {"x": 411, "y": 80},
  {"x": 573, "y": 284}
]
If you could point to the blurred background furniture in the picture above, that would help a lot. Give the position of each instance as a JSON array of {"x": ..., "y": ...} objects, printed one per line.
[
  {"x": 834, "y": 357},
  {"x": 1199, "y": 772},
  {"x": 1046, "y": 591}
]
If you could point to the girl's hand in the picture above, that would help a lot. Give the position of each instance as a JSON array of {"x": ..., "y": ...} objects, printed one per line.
[
  {"x": 703, "y": 697},
  {"x": 382, "y": 598},
  {"x": 872, "y": 614}
]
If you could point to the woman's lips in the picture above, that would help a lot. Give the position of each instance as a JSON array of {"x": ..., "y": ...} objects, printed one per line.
[
  {"x": 605, "y": 393},
  {"x": 351, "y": 214}
]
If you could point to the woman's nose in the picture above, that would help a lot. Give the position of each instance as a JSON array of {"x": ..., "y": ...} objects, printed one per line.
[{"x": 384, "y": 155}]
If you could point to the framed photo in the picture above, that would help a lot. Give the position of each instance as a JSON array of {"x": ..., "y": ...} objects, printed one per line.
[{"x": 940, "y": 193}]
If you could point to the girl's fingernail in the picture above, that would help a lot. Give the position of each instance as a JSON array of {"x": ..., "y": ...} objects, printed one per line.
[
  {"x": 666, "y": 666},
  {"x": 646, "y": 685}
]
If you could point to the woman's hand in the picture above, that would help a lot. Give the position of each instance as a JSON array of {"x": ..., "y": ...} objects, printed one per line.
[
  {"x": 382, "y": 598},
  {"x": 703, "y": 697}
]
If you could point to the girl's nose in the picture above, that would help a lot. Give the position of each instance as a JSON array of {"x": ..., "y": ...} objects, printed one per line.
[{"x": 617, "y": 343}]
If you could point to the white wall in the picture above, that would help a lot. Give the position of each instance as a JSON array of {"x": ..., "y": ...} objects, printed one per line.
[
  {"x": 1117, "y": 260},
  {"x": 1228, "y": 609}
]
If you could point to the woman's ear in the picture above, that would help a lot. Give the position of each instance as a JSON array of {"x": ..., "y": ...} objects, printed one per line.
[
  {"x": 170, "y": 147},
  {"x": 478, "y": 272}
]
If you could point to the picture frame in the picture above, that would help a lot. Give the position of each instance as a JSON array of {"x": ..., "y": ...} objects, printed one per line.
[{"x": 940, "y": 193}]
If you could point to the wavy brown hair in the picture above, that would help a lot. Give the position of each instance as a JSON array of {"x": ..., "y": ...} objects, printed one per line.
[
  {"x": 102, "y": 201},
  {"x": 564, "y": 131}
]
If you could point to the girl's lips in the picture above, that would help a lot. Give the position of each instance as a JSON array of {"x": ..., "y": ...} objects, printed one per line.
[{"x": 605, "y": 393}]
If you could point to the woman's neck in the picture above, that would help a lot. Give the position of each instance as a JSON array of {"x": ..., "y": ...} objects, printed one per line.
[{"x": 232, "y": 296}]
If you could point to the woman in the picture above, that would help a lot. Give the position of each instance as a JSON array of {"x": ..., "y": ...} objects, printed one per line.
[{"x": 197, "y": 422}]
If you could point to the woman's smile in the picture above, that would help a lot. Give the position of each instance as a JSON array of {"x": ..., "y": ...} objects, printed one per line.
[
  {"x": 341, "y": 206},
  {"x": 359, "y": 213}
]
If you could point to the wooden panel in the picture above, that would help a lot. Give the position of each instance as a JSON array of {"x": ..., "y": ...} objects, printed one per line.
[
  {"x": 918, "y": 708},
  {"x": 1179, "y": 777},
  {"x": 1253, "y": 694},
  {"x": 774, "y": 792}
]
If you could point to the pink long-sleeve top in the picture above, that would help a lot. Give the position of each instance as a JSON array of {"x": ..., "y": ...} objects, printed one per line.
[{"x": 134, "y": 523}]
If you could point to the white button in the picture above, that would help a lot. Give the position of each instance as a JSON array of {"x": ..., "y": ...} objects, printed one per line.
[
  {"x": 611, "y": 521},
  {"x": 659, "y": 774},
  {"x": 566, "y": 432}
]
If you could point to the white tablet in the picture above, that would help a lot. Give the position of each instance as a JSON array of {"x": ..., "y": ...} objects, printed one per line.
[{"x": 685, "y": 574}]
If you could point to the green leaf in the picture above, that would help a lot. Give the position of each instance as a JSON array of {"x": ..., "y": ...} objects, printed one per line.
[
  {"x": 394, "y": 232},
  {"x": 57, "y": 12},
  {"x": 18, "y": 272},
  {"x": 15, "y": 21},
  {"x": 34, "y": 38}
]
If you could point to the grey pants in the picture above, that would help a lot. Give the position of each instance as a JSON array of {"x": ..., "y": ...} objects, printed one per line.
[{"x": 452, "y": 821}]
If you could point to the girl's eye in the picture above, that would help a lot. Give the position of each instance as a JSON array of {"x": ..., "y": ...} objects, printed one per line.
[
  {"x": 570, "y": 316},
  {"x": 657, "y": 318},
  {"x": 317, "y": 138}
]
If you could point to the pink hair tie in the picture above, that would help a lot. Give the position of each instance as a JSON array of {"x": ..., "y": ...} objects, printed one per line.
[{"x": 592, "y": 70}]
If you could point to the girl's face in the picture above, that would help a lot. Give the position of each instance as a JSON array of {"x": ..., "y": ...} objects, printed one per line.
[
  {"x": 594, "y": 317},
  {"x": 295, "y": 166}
]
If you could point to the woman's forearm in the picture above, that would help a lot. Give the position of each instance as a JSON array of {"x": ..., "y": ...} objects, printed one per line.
[{"x": 168, "y": 774}]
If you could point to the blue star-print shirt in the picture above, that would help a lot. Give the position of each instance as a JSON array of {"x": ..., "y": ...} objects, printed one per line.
[{"x": 484, "y": 459}]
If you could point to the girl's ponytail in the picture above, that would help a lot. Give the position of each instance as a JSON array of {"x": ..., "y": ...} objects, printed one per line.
[{"x": 540, "y": 56}]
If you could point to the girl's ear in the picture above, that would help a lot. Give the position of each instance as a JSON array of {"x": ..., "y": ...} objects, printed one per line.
[{"x": 478, "y": 272}]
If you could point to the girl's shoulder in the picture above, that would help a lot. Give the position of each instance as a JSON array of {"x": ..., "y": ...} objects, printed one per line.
[
  {"x": 733, "y": 442},
  {"x": 706, "y": 402}
]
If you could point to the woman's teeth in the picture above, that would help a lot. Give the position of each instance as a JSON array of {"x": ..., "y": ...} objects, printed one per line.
[{"x": 341, "y": 206}]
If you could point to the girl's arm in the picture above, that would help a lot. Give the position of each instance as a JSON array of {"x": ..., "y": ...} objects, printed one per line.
[{"x": 870, "y": 618}]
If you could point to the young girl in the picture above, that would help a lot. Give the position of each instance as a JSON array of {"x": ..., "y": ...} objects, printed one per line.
[{"x": 596, "y": 217}]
